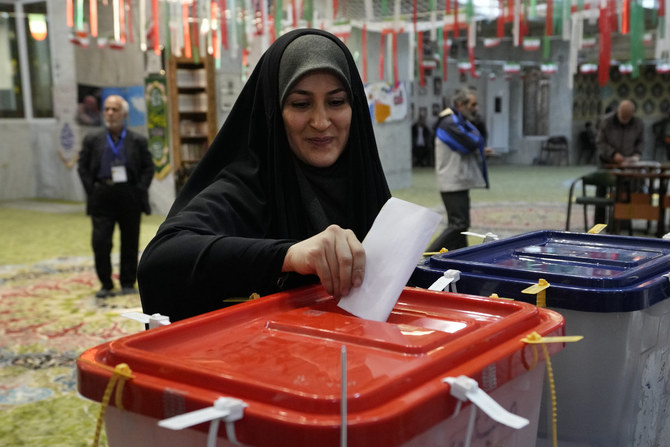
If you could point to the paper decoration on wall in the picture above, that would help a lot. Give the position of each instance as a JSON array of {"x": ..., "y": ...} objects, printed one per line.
[
  {"x": 66, "y": 149},
  {"x": 157, "y": 125},
  {"x": 386, "y": 102}
]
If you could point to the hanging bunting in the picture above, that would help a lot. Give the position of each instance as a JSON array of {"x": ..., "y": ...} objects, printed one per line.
[
  {"x": 129, "y": 20},
  {"x": 472, "y": 40},
  {"x": 500, "y": 21},
  {"x": 122, "y": 21},
  {"x": 216, "y": 40},
  {"x": 69, "y": 13},
  {"x": 531, "y": 43},
  {"x": 224, "y": 24},
  {"x": 156, "y": 35},
  {"x": 490, "y": 42},
  {"x": 382, "y": 44},
  {"x": 605, "y": 50},
  {"x": 516, "y": 32},
  {"x": 626, "y": 68},
  {"x": 636, "y": 37},
  {"x": 549, "y": 19},
  {"x": 279, "y": 15},
  {"x": 186, "y": 26},
  {"x": 93, "y": 17},
  {"x": 625, "y": 17},
  {"x": 308, "y": 12},
  {"x": 663, "y": 67},
  {"x": 116, "y": 43},
  {"x": 589, "y": 69},
  {"x": 79, "y": 19},
  {"x": 456, "y": 25},
  {"x": 294, "y": 12},
  {"x": 143, "y": 25},
  {"x": 511, "y": 68},
  {"x": 464, "y": 67},
  {"x": 549, "y": 68}
]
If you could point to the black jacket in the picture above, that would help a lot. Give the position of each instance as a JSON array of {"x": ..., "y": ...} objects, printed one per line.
[{"x": 139, "y": 165}]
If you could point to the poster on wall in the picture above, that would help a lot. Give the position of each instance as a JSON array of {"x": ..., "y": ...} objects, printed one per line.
[
  {"x": 89, "y": 105},
  {"x": 137, "y": 113},
  {"x": 156, "y": 99},
  {"x": 386, "y": 102},
  {"x": 68, "y": 136}
]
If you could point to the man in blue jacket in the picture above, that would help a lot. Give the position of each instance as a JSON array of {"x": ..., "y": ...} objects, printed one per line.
[
  {"x": 460, "y": 165},
  {"x": 116, "y": 169}
]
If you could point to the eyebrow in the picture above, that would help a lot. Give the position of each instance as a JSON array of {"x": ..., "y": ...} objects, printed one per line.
[{"x": 308, "y": 92}]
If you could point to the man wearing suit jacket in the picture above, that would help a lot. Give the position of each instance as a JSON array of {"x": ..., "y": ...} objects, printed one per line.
[{"x": 116, "y": 169}]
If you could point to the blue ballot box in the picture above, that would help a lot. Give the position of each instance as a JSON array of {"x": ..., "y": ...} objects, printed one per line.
[{"x": 613, "y": 387}]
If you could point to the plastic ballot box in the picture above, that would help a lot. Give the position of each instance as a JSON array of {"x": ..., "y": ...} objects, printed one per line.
[
  {"x": 279, "y": 363},
  {"x": 613, "y": 387}
]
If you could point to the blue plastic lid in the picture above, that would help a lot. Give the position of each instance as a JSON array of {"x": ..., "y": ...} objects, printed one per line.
[{"x": 590, "y": 272}]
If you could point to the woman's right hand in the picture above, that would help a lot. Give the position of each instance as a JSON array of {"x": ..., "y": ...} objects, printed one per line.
[{"x": 335, "y": 255}]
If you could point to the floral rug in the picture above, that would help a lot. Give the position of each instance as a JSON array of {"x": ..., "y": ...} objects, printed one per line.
[{"x": 48, "y": 316}]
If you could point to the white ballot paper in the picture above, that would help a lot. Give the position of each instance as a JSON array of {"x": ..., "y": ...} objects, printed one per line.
[{"x": 393, "y": 248}]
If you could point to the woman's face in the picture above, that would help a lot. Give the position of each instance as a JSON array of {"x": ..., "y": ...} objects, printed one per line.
[{"x": 317, "y": 117}]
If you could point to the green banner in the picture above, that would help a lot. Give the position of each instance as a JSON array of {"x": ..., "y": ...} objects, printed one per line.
[{"x": 156, "y": 98}]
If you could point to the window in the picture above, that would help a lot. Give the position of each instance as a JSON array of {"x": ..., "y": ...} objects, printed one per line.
[
  {"x": 535, "y": 103},
  {"x": 26, "y": 87}
]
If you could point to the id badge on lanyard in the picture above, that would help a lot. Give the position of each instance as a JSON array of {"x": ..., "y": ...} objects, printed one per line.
[{"x": 119, "y": 174}]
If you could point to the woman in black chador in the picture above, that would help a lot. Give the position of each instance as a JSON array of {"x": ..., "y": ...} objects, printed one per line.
[{"x": 288, "y": 189}]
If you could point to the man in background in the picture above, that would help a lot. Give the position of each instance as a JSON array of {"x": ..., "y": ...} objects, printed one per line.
[
  {"x": 421, "y": 142},
  {"x": 620, "y": 136},
  {"x": 460, "y": 165},
  {"x": 116, "y": 169}
]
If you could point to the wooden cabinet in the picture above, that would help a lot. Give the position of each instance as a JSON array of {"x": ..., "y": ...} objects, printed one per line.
[{"x": 193, "y": 121}]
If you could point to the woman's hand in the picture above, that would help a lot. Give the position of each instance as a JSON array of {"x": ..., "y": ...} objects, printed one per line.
[{"x": 335, "y": 255}]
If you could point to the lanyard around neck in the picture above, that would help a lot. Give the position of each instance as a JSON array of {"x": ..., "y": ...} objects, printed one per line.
[{"x": 116, "y": 147}]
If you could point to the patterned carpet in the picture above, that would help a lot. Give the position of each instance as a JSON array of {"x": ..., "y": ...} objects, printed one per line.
[{"x": 48, "y": 316}]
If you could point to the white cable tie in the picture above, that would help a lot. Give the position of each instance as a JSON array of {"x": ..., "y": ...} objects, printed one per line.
[
  {"x": 464, "y": 388},
  {"x": 155, "y": 320},
  {"x": 227, "y": 408},
  {"x": 488, "y": 237},
  {"x": 448, "y": 279}
]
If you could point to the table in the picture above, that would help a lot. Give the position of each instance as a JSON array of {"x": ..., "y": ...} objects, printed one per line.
[{"x": 641, "y": 193}]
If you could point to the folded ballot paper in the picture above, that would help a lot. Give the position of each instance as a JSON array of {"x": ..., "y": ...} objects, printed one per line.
[{"x": 393, "y": 248}]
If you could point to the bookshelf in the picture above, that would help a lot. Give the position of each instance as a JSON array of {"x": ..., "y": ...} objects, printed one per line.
[{"x": 193, "y": 121}]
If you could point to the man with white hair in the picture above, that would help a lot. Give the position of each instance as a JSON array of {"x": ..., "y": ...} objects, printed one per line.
[
  {"x": 620, "y": 136},
  {"x": 116, "y": 169}
]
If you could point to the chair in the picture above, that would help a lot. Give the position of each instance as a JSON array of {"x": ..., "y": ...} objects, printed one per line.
[
  {"x": 555, "y": 148},
  {"x": 602, "y": 183}
]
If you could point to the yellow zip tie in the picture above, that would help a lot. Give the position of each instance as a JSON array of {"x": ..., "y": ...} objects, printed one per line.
[
  {"x": 539, "y": 290},
  {"x": 535, "y": 339},
  {"x": 597, "y": 228},
  {"x": 431, "y": 253},
  {"x": 253, "y": 296},
  {"x": 495, "y": 296},
  {"x": 120, "y": 374}
]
